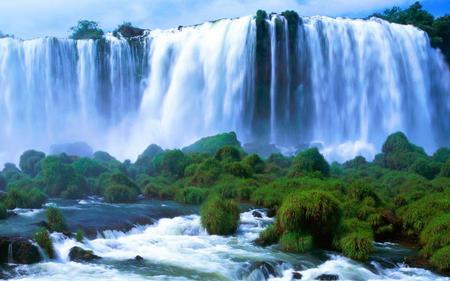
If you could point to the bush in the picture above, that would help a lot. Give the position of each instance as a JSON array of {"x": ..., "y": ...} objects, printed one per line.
[
  {"x": 29, "y": 162},
  {"x": 237, "y": 169},
  {"x": 315, "y": 212},
  {"x": 22, "y": 198},
  {"x": 86, "y": 29},
  {"x": 11, "y": 173},
  {"x": 255, "y": 163},
  {"x": 309, "y": 161},
  {"x": 268, "y": 236},
  {"x": 356, "y": 163},
  {"x": 354, "y": 239},
  {"x": 228, "y": 154},
  {"x": 295, "y": 242},
  {"x": 159, "y": 187},
  {"x": 279, "y": 159},
  {"x": 170, "y": 163},
  {"x": 88, "y": 167},
  {"x": 207, "y": 172},
  {"x": 441, "y": 155},
  {"x": 55, "y": 219},
  {"x": 3, "y": 212},
  {"x": 120, "y": 193},
  {"x": 445, "y": 169},
  {"x": 58, "y": 175},
  {"x": 441, "y": 259},
  {"x": 361, "y": 189},
  {"x": 145, "y": 159},
  {"x": 418, "y": 214},
  {"x": 399, "y": 153},
  {"x": 79, "y": 235},
  {"x": 219, "y": 216},
  {"x": 42, "y": 238},
  {"x": 191, "y": 195},
  {"x": 212, "y": 144},
  {"x": 435, "y": 235},
  {"x": 425, "y": 168}
]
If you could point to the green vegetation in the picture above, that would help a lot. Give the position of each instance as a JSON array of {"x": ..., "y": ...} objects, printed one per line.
[
  {"x": 79, "y": 235},
  {"x": 86, "y": 29},
  {"x": 436, "y": 28},
  {"x": 3, "y": 212},
  {"x": 55, "y": 220},
  {"x": 403, "y": 194},
  {"x": 220, "y": 216},
  {"x": 42, "y": 238},
  {"x": 210, "y": 145}
]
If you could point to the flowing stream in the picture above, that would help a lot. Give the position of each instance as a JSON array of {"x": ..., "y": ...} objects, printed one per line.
[{"x": 176, "y": 247}]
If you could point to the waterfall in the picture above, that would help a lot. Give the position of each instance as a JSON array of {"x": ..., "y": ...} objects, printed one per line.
[
  {"x": 10, "y": 253},
  {"x": 342, "y": 82}
]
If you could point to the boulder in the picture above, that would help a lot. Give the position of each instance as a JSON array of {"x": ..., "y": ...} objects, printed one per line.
[
  {"x": 257, "y": 214},
  {"x": 18, "y": 250},
  {"x": 138, "y": 258},
  {"x": 296, "y": 275},
  {"x": 327, "y": 277},
  {"x": 79, "y": 254}
]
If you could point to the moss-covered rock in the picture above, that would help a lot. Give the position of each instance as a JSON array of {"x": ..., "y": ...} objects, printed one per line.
[
  {"x": 212, "y": 144},
  {"x": 220, "y": 216}
]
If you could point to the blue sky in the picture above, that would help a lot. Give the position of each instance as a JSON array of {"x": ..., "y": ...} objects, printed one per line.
[{"x": 33, "y": 18}]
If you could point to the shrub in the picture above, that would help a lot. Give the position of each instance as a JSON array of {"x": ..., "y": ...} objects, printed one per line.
[
  {"x": 11, "y": 173},
  {"x": 120, "y": 193},
  {"x": 127, "y": 30},
  {"x": 356, "y": 163},
  {"x": 55, "y": 219},
  {"x": 191, "y": 195},
  {"x": 268, "y": 236},
  {"x": 3, "y": 212},
  {"x": 22, "y": 198},
  {"x": 279, "y": 159},
  {"x": 425, "y": 168},
  {"x": 88, "y": 167},
  {"x": 315, "y": 212},
  {"x": 255, "y": 163},
  {"x": 212, "y": 144},
  {"x": 42, "y": 238},
  {"x": 79, "y": 235},
  {"x": 309, "y": 161},
  {"x": 361, "y": 189},
  {"x": 441, "y": 155},
  {"x": 207, "y": 172},
  {"x": 418, "y": 214},
  {"x": 219, "y": 216},
  {"x": 58, "y": 175},
  {"x": 436, "y": 234},
  {"x": 441, "y": 259},
  {"x": 237, "y": 169},
  {"x": 296, "y": 242},
  {"x": 145, "y": 159},
  {"x": 354, "y": 239},
  {"x": 445, "y": 169},
  {"x": 86, "y": 29},
  {"x": 170, "y": 163},
  {"x": 29, "y": 162},
  {"x": 228, "y": 154},
  {"x": 399, "y": 153}
]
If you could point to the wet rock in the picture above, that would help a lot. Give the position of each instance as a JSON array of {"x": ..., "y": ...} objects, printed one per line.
[
  {"x": 129, "y": 31},
  {"x": 296, "y": 275},
  {"x": 256, "y": 214},
  {"x": 271, "y": 212},
  {"x": 138, "y": 258},
  {"x": 267, "y": 269},
  {"x": 327, "y": 277},
  {"x": 80, "y": 254},
  {"x": 43, "y": 224},
  {"x": 18, "y": 250}
]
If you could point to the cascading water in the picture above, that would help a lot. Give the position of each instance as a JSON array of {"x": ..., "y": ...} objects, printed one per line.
[{"x": 344, "y": 83}]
